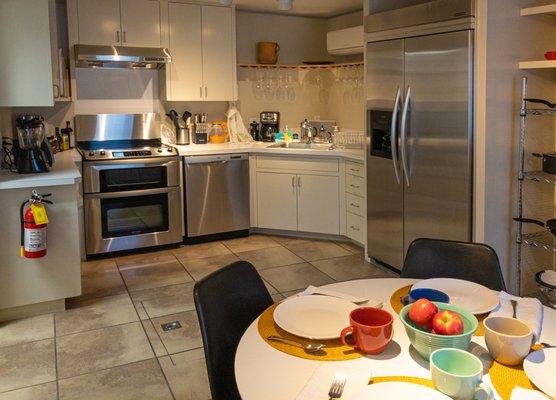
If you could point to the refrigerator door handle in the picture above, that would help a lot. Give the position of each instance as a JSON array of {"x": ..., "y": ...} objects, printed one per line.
[
  {"x": 403, "y": 134},
  {"x": 394, "y": 135}
]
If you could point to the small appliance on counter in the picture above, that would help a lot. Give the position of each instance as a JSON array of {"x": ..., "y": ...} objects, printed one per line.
[
  {"x": 270, "y": 125},
  {"x": 32, "y": 152}
]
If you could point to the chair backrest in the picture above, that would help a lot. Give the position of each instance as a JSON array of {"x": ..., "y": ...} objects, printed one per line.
[
  {"x": 433, "y": 258},
  {"x": 227, "y": 302}
]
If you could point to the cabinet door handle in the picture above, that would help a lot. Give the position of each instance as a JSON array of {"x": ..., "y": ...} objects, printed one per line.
[
  {"x": 293, "y": 182},
  {"x": 206, "y": 92},
  {"x": 117, "y": 36},
  {"x": 124, "y": 37},
  {"x": 200, "y": 92},
  {"x": 355, "y": 186},
  {"x": 354, "y": 205},
  {"x": 354, "y": 170},
  {"x": 354, "y": 228},
  {"x": 298, "y": 181}
]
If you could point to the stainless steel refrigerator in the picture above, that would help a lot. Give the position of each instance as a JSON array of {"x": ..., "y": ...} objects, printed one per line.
[{"x": 419, "y": 81}]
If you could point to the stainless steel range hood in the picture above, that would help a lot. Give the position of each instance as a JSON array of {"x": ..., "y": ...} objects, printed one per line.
[{"x": 87, "y": 56}]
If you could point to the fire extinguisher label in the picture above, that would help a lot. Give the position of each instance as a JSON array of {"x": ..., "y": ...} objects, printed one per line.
[{"x": 35, "y": 239}]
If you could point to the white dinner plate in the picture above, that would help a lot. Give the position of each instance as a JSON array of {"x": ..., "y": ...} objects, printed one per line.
[
  {"x": 399, "y": 390},
  {"x": 314, "y": 317},
  {"x": 539, "y": 366},
  {"x": 471, "y": 296}
]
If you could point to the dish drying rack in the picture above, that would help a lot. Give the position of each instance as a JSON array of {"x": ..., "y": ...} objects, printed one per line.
[
  {"x": 349, "y": 139},
  {"x": 539, "y": 239}
]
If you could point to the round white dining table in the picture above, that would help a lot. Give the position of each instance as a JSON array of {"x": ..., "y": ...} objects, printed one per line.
[{"x": 264, "y": 373}]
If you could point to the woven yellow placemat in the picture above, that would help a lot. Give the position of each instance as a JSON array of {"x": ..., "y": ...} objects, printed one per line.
[
  {"x": 409, "y": 379},
  {"x": 334, "y": 350},
  {"x": 503, "y": 378},
  {"x": 397, "y": 305}
]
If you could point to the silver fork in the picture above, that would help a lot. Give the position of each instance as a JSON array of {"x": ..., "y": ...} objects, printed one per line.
[{"x": 337, "y": 387}]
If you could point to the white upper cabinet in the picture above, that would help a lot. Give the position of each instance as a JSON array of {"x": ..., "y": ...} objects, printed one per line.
[
  {"x": 218, "y": 53},
  {"x": 99, "y": 22},
  {"x": 134, "y": 23},
  {"x": 185, "y": 79},
  {"x": 25, "y": 54},
  {"x": 140, "y": 23},
  {"x": 201, "y": 43}
]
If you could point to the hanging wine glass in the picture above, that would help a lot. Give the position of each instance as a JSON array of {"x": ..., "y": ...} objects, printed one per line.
[
  {"x": 290, "y": 89},
  {"x": 268, "y": 86},
  {"x": 280, "y": 92},
  {"x": 258, "y": 89}
]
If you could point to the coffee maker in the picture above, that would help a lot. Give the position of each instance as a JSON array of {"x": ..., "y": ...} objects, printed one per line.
[
  {"x": 270, "y": 125},
  {"x": 32, "y": 152}
]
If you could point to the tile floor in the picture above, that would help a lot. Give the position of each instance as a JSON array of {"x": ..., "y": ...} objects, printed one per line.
[{"x": 109, "y": 343}]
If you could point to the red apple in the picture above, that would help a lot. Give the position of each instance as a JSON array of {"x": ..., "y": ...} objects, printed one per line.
[
  {"x": 422, "y": 313},
  {"x": 447, "y": 323}
]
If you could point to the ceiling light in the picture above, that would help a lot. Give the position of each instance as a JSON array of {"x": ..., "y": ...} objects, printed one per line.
[
  {"x": 226, "y": 2},
  {"x": 285, "y": 5}
]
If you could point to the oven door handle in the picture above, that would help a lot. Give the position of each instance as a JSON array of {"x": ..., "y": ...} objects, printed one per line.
[
  {"x": 131, "y": 165},
  {"x": 131, "y": 193}
]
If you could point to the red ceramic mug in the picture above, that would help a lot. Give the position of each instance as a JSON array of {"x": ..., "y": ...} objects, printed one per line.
[{"x": 371, "y": 329}]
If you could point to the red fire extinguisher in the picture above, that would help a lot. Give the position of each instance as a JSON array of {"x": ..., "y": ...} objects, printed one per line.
[{"x": 34, "y": 222}]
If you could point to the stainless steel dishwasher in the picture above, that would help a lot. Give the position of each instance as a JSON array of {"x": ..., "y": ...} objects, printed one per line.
[{"x": 216, "y": 196}]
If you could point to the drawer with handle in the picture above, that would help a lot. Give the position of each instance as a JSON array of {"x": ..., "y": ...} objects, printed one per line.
[
  {"x": 355, "y": 185},
  {"x": 355, "y": 227},
  {"x": 355, "y": 169},
  {"x": 355, "y": 204}
]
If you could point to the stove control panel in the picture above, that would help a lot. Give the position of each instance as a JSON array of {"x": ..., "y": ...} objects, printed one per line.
[
  {"x": 132, "y": 153},
  {"x": 164, "y": 151}
]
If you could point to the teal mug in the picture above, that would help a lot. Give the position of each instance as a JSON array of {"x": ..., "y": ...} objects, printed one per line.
[{"x": 458, "y": 374}]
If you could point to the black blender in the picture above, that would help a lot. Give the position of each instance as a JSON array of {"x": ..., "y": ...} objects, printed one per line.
[{"x": 32, "y": 153}]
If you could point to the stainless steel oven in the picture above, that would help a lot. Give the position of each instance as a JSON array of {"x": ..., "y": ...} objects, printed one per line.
[{"x": 131, "y": 203}]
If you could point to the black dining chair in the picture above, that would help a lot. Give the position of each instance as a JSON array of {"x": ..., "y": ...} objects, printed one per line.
[
  {"x": 227, "y": 302},
  {"x": 434, "y": 258}
]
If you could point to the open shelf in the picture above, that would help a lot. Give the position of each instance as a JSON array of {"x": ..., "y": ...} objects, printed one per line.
[
  {"x": 541, "y": 239},
  {"x": 541, "y": 64},
  {"x": 302, "y": 66},
  {"x": 548, "y": 9},
  {"x": 540, "y": 176},
  {"x": 541, "y": 111}
]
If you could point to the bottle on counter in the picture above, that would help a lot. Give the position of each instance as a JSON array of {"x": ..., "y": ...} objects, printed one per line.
[
  {"x": 67, "y": 131},
  {"x": 58, "y": 137}
]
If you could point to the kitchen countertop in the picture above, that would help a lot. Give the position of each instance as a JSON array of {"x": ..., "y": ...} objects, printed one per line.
[
  {"x": 63, "y": 172},
  {"x": 262, "y": 148}
]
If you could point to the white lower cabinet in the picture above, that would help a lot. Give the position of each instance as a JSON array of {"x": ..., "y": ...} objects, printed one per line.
[
  {"x": 288, "y": 199},
  {"x": 276, "y": 201},
  {"x": 318, "y": 205}
]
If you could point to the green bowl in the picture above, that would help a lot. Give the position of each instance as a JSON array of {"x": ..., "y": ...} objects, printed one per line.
[{"x": 425, "y": 343}]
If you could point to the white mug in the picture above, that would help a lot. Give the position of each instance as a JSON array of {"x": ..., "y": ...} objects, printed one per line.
[{"x": 508, "y": 339}]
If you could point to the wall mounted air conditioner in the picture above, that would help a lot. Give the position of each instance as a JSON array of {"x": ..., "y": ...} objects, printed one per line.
[{"x": 345, "y": 41}]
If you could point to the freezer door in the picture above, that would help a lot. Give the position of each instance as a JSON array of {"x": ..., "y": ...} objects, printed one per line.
[
  {"x": 384, "y": 77},
  {"x": 437, "y": 139}
]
